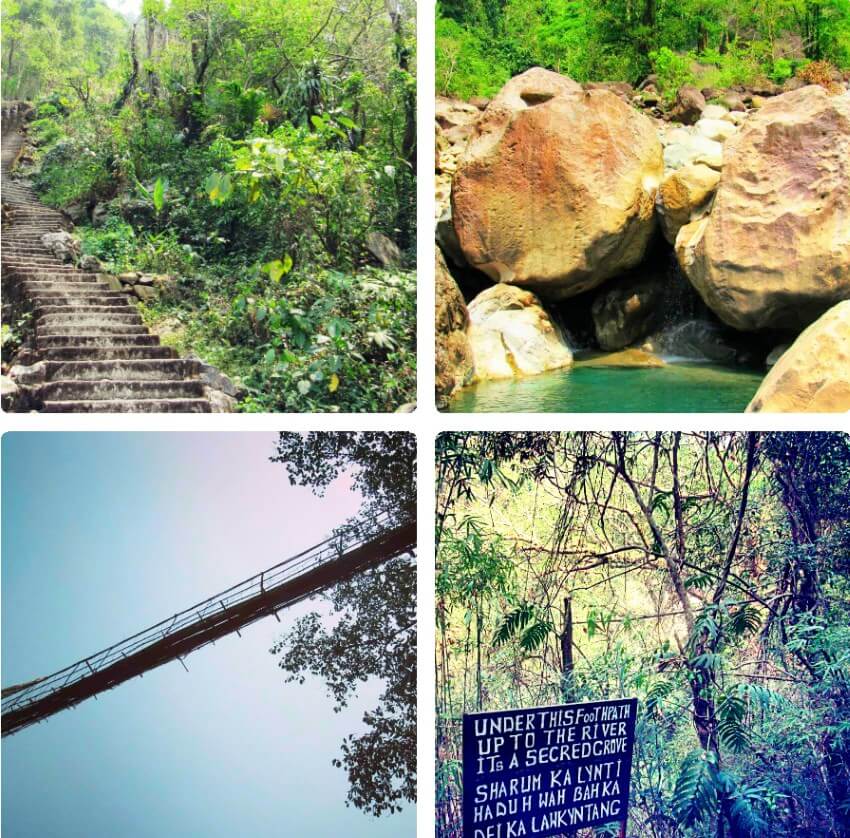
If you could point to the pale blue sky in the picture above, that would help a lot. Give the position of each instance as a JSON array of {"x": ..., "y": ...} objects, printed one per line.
[
  {"x": 104, "y": 534},
  {"x": 128, "y": 8}
]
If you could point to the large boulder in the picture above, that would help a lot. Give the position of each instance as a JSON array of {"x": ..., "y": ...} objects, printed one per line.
[
  {"x": 447, "y": 238},
  {"x": 556, "y": 187},
  {"x": 813, "y": 376},
  {"x": 63, "y": 246},
  {"x": 453, "y": 352},
  {"x": 628, "y": 308},
  {"x": 512, "y": 335},
  {"x": 452, "y": 113},
  {"x": 718, "y": 130},
  {"x": 686, "y": 149},
  {"x": 688, "y": 106},
  {"x": 383, "y": 249},
  {"x": 775, "y": 251},
  {"x": 684, "y": 196}
]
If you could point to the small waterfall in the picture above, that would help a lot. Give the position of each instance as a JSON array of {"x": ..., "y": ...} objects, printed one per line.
[
  {"x": 694, "y": 340},
  {"x": 688, "y": 330}
]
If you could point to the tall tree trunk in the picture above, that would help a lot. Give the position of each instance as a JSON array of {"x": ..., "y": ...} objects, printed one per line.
[
  {"x": 130, "y": 84},
  {"x": 567, "y": 663},
  {"x": 405, "y": 183}
]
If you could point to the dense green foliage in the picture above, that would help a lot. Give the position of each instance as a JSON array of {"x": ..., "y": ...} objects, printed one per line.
[
  {"x": 482, "y": 43},
  {"x": 374, "y": 634},
  {"x": 705, "y": 574},
  {"x": 52, "y": 44},
  {"x": 250, "y": 150}
]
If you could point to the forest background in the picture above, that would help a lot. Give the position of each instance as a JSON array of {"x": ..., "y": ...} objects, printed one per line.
[
  {"x": 711, "y": 43},
  {"x": 705, "y": 574},
  {"x": 259, "y": 153}
]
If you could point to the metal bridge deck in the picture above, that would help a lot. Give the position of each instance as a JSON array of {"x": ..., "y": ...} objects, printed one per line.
[{"x": 350, "y": 550}]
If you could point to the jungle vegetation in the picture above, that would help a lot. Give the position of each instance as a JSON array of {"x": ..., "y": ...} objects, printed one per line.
[
  {"x": 375, "y": 630},
  {"x": 249, "y": 150},
  {"x": 706, "y": 574},
  {"x": 720, "y": 43}
]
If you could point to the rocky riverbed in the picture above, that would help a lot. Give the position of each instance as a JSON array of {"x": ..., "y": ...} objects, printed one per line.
[{"x": 576, "y": 219}]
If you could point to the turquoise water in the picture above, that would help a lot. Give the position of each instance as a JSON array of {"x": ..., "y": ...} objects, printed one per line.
[{"x": 675, "y": 388}]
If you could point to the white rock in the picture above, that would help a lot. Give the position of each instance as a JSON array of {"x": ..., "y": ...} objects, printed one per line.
[
  {"x": 715, "y": 129},
  {"x": 512, "y": 335},
  {"x": 736, "y": 117},
  {"x": 697, "y": 149},
  {"x": 813, "y": 375},
  {"x": 714, "y": 112},
  {"x": 776, "y": 353}
]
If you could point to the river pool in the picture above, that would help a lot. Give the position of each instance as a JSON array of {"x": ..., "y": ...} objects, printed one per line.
[{"x": 674, "y": 388}]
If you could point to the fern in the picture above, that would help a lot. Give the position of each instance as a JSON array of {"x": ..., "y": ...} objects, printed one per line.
[
  {"x": 707, "y": 624},
  {"x": 708, "y": 660},
  {"x": 742, "y": 809},
  {"x": 513, "y": 623},
  {"x": 699, "y": 581},
  {"x": 762, "y": 697},
  {"x": 695, "y": 793},
  {"x": 534, "y": 635},
  {"x": 745, "y": 620},
  {"x": 657, "y": 693},
  {"x": 731, "y": 712}
]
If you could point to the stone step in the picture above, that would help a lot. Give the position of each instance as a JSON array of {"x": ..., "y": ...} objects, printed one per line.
[
  {"x": 89, "y": 309},
  {"x": 81, "y": 298},
  {"x": 23, "y": 220},
  {"x": 47, "y": 269},
  {"x": 103, "y": 353},
  {"x": 19, "y": 257},
  {"x": 22, "y": 251},
  {"x": 123, "y": 370},
  {"x": 74, "y": 321},
  {"x": 19, "y": 229},
  {"x": 62, "y": 282},
  {"x": 114, "y": 390},
  {"x": 22, "y": 226},
  {"x": 129, "y": 406},
  {"x": 70, "y": 291},
  {"x": 105, "y": 341},
  {"x": 26, "y": 222},
  {"x": 91, "y": 331}
]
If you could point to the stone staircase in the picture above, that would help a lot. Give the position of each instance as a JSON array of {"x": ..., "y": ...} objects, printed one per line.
[{"x": 91, "y": 353}]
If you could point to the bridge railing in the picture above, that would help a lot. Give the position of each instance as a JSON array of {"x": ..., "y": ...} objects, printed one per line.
[{"x": 343, "y": 540}]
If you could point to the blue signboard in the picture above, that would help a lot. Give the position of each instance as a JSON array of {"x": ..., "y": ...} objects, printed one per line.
[{"x": 547, "y": 770}]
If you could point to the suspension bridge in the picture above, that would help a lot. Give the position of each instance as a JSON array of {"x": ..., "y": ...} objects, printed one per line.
[{"x": 350, "y": 550}]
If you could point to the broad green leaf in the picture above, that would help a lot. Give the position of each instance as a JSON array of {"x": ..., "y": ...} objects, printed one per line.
[
  {"x": 277, "y": 268},
  {"x": 219, "y": 187},
  {"x": 159, "y": 194}
]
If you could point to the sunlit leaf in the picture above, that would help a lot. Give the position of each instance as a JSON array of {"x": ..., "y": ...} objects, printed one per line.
[
  {"x": 159, "y": 189},
  {"x": 277, "y": 268}
]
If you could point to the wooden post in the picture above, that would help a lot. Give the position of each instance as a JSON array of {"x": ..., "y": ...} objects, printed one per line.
[
  {"x": 623, "y": 827},
  {"x": 567, "y": 651}
]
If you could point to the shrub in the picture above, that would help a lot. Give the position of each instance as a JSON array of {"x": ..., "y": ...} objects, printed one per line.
[
  {"x": 673, "y": 70},
  {"x": 44, "y": 132},
  {"x": 336, "y": 342},
  {"x": 782, "y": 70},
  {"x": 464, "y": 66},
  {"x": 819, "y": 72},
  {"x": 315, "y": 194},
  {"x": 114, "y": 243}
]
